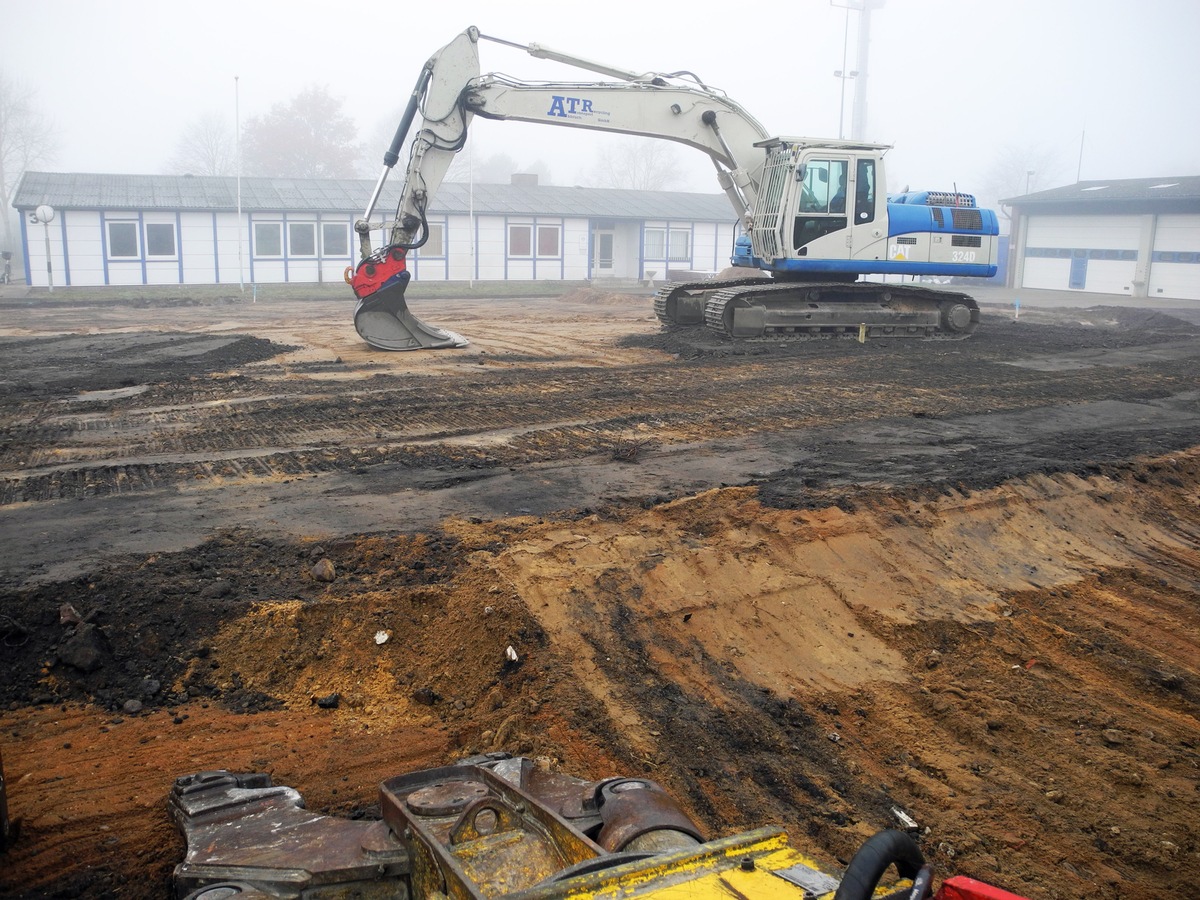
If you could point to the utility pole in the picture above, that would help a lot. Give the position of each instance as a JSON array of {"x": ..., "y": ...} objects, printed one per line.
[{"x": 237, "y": 144}]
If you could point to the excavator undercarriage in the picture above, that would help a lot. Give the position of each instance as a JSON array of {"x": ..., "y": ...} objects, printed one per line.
[{"x": 761, "y": 309}]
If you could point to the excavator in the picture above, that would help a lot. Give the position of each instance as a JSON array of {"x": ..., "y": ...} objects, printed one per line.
[
  {"x": 814, "y": 216},
  {"x": 499, "y": 827}
]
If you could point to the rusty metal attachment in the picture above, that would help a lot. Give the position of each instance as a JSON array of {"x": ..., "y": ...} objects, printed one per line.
[
  {"x": 242, "y": 829},
  {"x": 490, "y": 825},
  {"x": 496, "y": 827},
  {"x": 639, "y": 815}
]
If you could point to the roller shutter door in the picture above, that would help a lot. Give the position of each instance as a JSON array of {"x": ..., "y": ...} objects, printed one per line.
[
  {"x": 1094, "y": 254},
  {"x": 1175, "y": 263}
]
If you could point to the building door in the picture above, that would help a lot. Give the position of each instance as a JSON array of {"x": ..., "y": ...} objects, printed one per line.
[
  {"x": 1095, "y": 253},
  {"x": 1175, "y": 260},
  {"x": 602, "y": 255},
  {"x": 1078, "y": 277}
]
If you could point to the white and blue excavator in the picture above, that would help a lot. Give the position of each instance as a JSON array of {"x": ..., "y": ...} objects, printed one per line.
[{"x": 814, "y": 214}]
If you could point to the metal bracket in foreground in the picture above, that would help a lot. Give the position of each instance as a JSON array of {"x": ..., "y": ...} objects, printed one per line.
[{"x": 242, "y": 829}]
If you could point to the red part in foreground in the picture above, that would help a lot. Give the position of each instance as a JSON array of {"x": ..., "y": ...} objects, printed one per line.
[
  {"x": 373, "y": 274},
  {"x": 960, "y": 887}
]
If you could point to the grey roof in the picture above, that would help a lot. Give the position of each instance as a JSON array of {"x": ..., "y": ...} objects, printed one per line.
[
  {"x": 1166, "y": 194},
  {"x": 64, "y": 190}
]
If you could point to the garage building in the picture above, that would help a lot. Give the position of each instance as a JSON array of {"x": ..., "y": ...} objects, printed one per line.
[
  {"x": 165, "y": 229},
  {"x": 1138, "y": 236}
]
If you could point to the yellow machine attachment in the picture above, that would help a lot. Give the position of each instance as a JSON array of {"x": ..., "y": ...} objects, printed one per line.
[{"x": 501, "y": 827}]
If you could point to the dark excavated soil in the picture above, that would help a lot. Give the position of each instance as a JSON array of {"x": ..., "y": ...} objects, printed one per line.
[{"x": 796, "y": 584}]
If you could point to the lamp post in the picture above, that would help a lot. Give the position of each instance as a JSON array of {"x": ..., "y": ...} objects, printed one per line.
[
  {"x": 841, "y": 73},
  {"x": 237, "y": 152},
  {"x": 844, "y": 75},
  {"x": 45, "y": 215},
  {"x": 864, "y": 8}
]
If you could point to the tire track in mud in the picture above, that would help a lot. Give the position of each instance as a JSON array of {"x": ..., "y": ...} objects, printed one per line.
[{"x": 265, "y": 427}]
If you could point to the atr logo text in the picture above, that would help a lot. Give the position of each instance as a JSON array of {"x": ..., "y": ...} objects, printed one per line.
[{"x": 569, "y": 106}]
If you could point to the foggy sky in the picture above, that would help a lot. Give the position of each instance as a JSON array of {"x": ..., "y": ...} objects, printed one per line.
[{"x": 950, "y": 82}]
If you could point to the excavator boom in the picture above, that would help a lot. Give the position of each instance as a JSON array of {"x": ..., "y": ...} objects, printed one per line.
[{"x": 450, "y": 91}]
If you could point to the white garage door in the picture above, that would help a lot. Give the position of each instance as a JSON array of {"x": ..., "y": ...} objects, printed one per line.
[
  {"x": 1095, "y": 254},
  {"x": 1175, "y": 264}
]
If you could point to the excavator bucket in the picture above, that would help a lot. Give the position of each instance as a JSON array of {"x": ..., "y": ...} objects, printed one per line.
[{"x": 383, "y": 319}]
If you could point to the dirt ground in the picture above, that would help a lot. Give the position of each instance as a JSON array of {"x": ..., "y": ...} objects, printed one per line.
[{"x": 797, "y": 585}]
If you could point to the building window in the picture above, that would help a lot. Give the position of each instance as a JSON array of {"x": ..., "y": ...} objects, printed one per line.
[
  {"x": 681, "y": 245},
  {"x": 160, "y": 240},
  {"x": 436, "y": 244},
  {"x": 548, "y": 240},
  {"x": 335, "y": 239},
  {"x": 122, "y": 240},
  {"x": 656, "y": 243},
  {"x": 268, "y": 239},
  {"x": 520, "y": 240},
  {"x": 302, "y": 239}
]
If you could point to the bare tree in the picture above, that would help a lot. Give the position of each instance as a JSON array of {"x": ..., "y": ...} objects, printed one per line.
[
  {"x": 642, "y": 164},
  {"x": 496, "y": 168},
  {"x": 306, "y": 137},
  {"x": 206, "y": 147},
  {"x": 1017, "y": 171},
  {"x": 27, "y": 139},
  {"x": 471, "y": 165}
]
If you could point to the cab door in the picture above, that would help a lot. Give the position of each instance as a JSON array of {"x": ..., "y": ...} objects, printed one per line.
[{"x": 868, "y": 210}]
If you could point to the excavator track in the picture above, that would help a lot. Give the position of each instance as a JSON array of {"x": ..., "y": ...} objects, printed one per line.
[
  {"x": 796, "y": 311},
  {"x": 683, "y": 302}
]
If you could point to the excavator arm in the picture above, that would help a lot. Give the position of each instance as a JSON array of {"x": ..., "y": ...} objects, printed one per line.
[{"x": 450, "y": 91}]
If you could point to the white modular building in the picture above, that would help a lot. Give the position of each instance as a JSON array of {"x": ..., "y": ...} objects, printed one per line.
[
  {"x": 166, "y": 229},
  {"x": 1139, "y": 237}
]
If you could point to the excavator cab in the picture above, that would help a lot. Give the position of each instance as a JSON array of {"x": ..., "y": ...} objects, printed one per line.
[
  {"x": 823, "y": 214},
  {"x": 819, "y": 195}
]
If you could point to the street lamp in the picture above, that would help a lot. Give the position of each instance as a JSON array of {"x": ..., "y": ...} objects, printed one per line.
[
  {"x": 237, "y": 131},
  {"x": 864, "y": 8},
  {"x": 45, "y": 215},
  {"x": 839, "y": 73}
]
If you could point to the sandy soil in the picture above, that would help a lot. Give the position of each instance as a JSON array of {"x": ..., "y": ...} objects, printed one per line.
[{"x": 796, "y": 585}]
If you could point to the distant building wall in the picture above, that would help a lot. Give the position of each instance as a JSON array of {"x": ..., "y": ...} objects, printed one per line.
[
  {"x": 565, "y": 241},
  {"x": 1153, "y": 256}
]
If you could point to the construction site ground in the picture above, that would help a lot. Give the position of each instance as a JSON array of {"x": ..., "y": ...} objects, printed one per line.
[{"x": 797, "y": 585}]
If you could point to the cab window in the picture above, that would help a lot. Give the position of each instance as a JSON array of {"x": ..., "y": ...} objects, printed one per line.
[
  {"x": 822, "y": 206},
  {"x": 864, "y": 192},
  {"x": 824, "y": 189}
]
